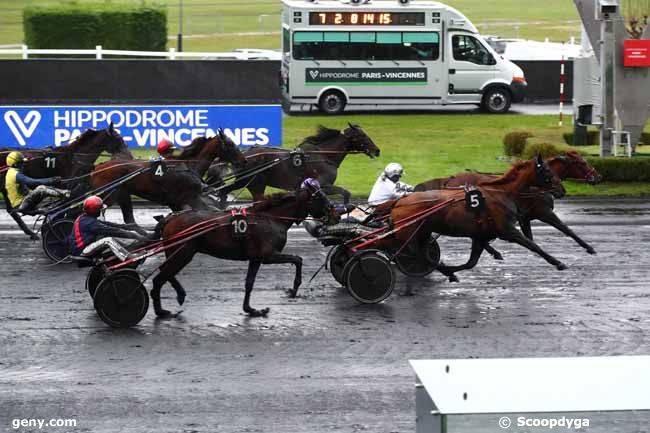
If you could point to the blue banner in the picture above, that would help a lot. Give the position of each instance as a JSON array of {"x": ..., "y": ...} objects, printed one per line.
[{"x": 141, "y": 126}]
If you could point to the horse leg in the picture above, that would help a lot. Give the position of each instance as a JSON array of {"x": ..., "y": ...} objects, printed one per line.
[
  {"x": 253, "y": 267},
  {"x": 126, "y": 205},
  {"x": 277, "y": 258},
  {"x": 477, "y": 250},
  {"x": 333, "y": 189},
  {"x": 175, "y": 263},
  {"x": 552, "y": 219},
  {"x": 514, "y": 235},
  {"x": 493, "y": 252},
  {"x": 524, "y": 224},
  {"x": 23, "y": 226}
]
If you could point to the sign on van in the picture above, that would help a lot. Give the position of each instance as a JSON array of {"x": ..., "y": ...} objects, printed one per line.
[
  {"x": 141, "y": 126},
  {"x": 365, "y": 75}
]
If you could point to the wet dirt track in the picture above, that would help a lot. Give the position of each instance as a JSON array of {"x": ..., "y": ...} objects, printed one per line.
[{"x": 318, "y": 363}]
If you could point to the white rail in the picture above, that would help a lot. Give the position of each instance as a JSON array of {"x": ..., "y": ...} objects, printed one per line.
[{"x": 171, "y": 54}]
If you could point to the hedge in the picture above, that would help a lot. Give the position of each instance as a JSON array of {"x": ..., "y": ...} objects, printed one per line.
[
  {"x": 593, "y": 138},
  {"x": 515, "y": 142},
  {"x": 614, "y": 169},
  {"x": 83, "y": 26}
]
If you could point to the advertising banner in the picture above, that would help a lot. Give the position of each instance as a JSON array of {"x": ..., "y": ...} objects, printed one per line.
[{"x": 141, "y": 126}]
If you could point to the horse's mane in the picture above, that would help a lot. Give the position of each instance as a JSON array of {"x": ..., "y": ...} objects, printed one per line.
[
  {"x": 194, "y": 148},
  {"x": 322, "y": 135},
  {"x": 87, "y": 134},
  {"x": 272, "y": 201},
  {"x": 509, "y": 176}
]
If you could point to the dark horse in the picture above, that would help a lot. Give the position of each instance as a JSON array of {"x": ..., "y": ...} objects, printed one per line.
[
  {"x": 73, "y": 161},
  {"x": 498, "y": 219},
  {"x": 323, "y": 154},
  {"x": 179, "y": 186},
  {"x": 534, "y": 204},
  {"x": 260, "y": 243}
]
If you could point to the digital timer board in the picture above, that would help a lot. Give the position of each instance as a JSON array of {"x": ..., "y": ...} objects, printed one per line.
[{"x": 366, "y": 18}]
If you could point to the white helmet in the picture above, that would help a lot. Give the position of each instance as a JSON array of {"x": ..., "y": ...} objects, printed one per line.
[{"x": 393, "y": 169}]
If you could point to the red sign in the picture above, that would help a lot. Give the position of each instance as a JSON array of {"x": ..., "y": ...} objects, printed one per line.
[{"x": 637, "y": 53}]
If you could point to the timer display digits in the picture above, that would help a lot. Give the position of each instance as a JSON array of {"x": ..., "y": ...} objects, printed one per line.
[{"x": 366, "y": 18}]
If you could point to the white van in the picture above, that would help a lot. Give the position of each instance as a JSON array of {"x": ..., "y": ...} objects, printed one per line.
[{"x": 388, "y": 53}]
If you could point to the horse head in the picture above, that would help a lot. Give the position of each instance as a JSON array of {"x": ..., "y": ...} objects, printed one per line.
[
  {"x": 546, "y": 178},
  {"x": 229, "y": 151},
  {"x": 575, "y": 167},
  {"x": 358, "y": 140}
]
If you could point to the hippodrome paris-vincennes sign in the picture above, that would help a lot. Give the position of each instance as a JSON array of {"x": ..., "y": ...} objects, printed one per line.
[{"x": 141, "y": 126}]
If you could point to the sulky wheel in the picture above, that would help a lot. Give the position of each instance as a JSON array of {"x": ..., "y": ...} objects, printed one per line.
[
  {"x": 338, "y": 258},
  {"x": 369, "y": 276},
  {"x": 419, "y": 262},
  {"x": 95, "y": 276},
  {"x": 121, "y": 300},
  {"x": 55, "y": 234}
]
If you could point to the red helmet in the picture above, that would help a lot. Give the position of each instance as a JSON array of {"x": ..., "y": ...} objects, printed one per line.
[
  {"x": 93, "y": 204},
  {"x": 164, "y": 146}
]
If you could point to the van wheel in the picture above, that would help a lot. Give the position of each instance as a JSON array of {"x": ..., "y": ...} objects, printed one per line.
[
  {"x": 496, "y": 100},
  {"x": 332, "y": 102}
]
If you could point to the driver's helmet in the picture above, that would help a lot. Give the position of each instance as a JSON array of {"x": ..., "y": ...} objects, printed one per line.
[
  {"x": 164, "y": 147},
  {"x": 14, "y": 159},
  {"x": 93, "y": 205},
  {"x": 310, "y": 183},
  {"x": 393, "y": 169}
]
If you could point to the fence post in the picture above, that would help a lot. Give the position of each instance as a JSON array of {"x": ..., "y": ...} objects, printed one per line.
[
  {"x": 98, "y": 54},
  {"x": 25, "y": 54},
  {"x": 172, "y": 53}
]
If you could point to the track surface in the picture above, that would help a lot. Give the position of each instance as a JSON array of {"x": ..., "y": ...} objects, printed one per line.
[{"x": 319, "y": 363}]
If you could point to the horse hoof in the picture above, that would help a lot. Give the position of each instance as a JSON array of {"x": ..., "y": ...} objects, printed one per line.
[
  {"x": 180, "y": 298},
  {"x": 163, "y": 314},
  {"x": 258, "y": 313},
  {"x": 292, "y": 293},
  {"x": 591, "y": 251},
  {"x": 561, "y": 266},
  {"x": 35, "y": 237},
  {"x": 453, "y": 278},
  {"x": 498, "y": 256}
]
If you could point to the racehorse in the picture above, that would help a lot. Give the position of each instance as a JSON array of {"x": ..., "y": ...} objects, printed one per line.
[
  {"x": 75, "y": 160},
  {"x": 496, "y": 219},
  {"x": 178, "y": 186},
  {"x": 534, "y": 204},
  {"x": 318, "y": 157},
  {"x": 260, "y": 242}
]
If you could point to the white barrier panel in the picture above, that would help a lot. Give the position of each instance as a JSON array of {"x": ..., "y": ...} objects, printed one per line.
[{"x": 528, "y": 385}]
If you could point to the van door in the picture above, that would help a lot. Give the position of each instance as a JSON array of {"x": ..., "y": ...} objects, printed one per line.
[{"x": 470, "y": 65}]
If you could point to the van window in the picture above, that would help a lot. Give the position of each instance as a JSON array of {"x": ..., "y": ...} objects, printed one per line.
[
  {"x": 366, "y": 46},
  {"x": 469, "y": 49},
  {"x": 286, "y": 41}
]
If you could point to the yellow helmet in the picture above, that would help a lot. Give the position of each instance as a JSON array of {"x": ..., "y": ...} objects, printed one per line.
[{"x": 14, "y": 158}]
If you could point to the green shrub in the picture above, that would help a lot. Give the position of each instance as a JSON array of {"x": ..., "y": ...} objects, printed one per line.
[
  {"x": 515, "y": 142},
  {"x": 645, "y": 138},
  {"x": 592, "y": 138},
  {"x": 83, "y": 26},
  {"x": 545, "y": 149},
  {"x": 614, "y": 169}
]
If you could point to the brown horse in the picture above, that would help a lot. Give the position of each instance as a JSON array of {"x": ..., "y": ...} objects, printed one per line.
[
  {"x": 497, "y": 219},
  {"x": 179, "y": 186},
  {"x": 534, "y": 204},
  {"x": 72, "y": 161},
  {"x": 260, "y": 241},
  {"x": 318, "y": 157}
]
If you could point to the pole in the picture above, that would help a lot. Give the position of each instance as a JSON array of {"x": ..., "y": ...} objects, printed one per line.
[
  {"x": 560, "y": 123},
  {"x": 179, "y": 42},
  {"x": 607, "y": 85}
]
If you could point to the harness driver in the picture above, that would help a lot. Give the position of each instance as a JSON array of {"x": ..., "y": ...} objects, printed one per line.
[
  {"x": 18, "y": 185},
  {"x": 91, "y": 236}
]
